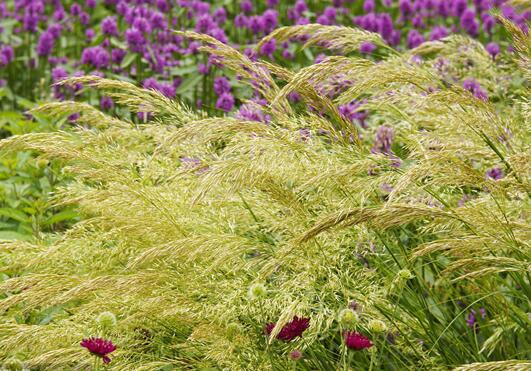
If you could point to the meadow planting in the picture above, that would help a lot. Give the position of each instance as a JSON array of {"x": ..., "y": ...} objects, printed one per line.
[{"x": 265, "y": 185}]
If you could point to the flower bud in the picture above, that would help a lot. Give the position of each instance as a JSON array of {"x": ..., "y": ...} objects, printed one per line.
[
  {"x": 375, "y": 325},
  {"x": 347, "y": 317},
  {"x": 295, "y": 355},
  {"x": 405, "y": 274},
  {"x": 42, "y": 162},
  {"x": 257, "y": 290},
  {"x": 106, "y": 320},
  {"x": 233, "y": 329}
]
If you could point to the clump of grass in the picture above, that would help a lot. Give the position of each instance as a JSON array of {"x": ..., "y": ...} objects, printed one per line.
[{"x": 199, "y": 232}]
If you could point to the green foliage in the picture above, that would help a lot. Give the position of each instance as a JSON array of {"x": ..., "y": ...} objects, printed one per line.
[
  {"x": 195, "y": 257},
  {"x": 27, "y": 183}
]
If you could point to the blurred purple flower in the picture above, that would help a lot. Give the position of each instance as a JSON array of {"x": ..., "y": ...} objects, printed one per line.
[
  {"x": 471, "y": 318},
  {"x": 225, "y": 102},
  {"x": 106, "y": 103},
  {"x": 246, "y": 6},
  {"x": 202, "y": 68},
  {"x": 438, "y": 32},
  {"x": 45, "y": 44},
  {"x": 367, "y": 47},
  {"x": 368, "y": 6},
  {"x": 268, "y": 48},
  {"x": 135, "y": 39},
  {"x": 414, "y": 39},
  {"x": 117, "y": 55},
  {"x": 109, "y": 26},
  {"x": 221, "y": 85},
  {"x": 475, "y": 88},
  {"x": 75, "y": 9},
  {"x": 495, "y": 173},
  {"x": 96, "y": 56},
  {"x": 89, "y": 34},
  {"x": 493, "y": 49},
  {"x": 7, "y": 55},
  {"x": 469, "y": 22},
  {"x": 270, "y": 19},
  {"x": 383, "y": 140}
]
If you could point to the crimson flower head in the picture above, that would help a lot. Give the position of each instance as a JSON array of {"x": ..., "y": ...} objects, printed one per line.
[
  {"x": 99, "y": 347},
  {"x": 290, "y": 330},
  {"x": 356, "y": 341}
]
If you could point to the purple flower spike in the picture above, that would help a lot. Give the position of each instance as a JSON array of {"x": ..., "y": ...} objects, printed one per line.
[
  {"x": 109, "y": 26},
  {"x": 221, "y": 85},
  {"x": 269, "y": 48},
  {"x": 106, "y": 103},
  {"x": 367, "y": 47},
  {"x": 45, "y": 44},
  {"x": 225, "y": 102},
  {"x": 493, "y": 49}
]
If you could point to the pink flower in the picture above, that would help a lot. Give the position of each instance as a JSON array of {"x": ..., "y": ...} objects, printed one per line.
[
  {"x": 99, "y": 347},
  {"x": 356, "y": 341},
  {"x": 290, "y": 330}
]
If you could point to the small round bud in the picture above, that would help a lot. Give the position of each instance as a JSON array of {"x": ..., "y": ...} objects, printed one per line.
[
  {"x": 257, "y": 290},
  {"x": 405, "y": 274},
  {"x": 295, "y": 355},
  {"x": 106, "y": 320},
  {"x": 347, "y": 317},
  {"x": 42, "y": 162},
  {"x": 375, "y": 325},
  {"x": 233, "y": 329}
]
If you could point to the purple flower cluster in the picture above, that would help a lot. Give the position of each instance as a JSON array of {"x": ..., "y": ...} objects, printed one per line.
[
  {"x": 352, "y": 112},
  {"x": 133, "y": 38},
  {"x": 290, "y": 330},
  {"x": 383, "y": 140},
  {"x": 472, "y": 321},
  {"x": 475, "y": 88},
  {"x": 7, "y": 55},
  {"x": 167, "y": 89},
  {"x": 495, "y": 173},
  {"x": 99, "y": 347}
]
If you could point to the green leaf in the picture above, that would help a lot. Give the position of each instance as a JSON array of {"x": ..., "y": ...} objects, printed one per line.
[
  {"x": 188, "y": 83},
  {"x": 128, "y": 60},
  {"x": 10, "y": 116},
  {"x": 25, "y": 103},
  {"x": 14, "y": 214},
  {"x": 61, "y": 216},
  {"x": 308, "y": 53},
  {"x": 12, "y": 235},
  {"x": 117, "y": 43},
  {"x": 183, "y": 70}
]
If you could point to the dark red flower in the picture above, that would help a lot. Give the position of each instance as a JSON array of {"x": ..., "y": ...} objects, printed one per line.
[
  {"x": 356, "y": 341},
  {"x": 99, "y": 347},
  {"x": 290, "y": 330}
]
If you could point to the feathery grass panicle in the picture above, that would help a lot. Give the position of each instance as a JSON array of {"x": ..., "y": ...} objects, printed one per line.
[
  {"x": 423, "y": 234},
  {"x": 252, "y": 73},
  {"x": 137, "y": 99},
  {"x": 512, "y": 365},
  {"x": 338, "y": 38}
]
